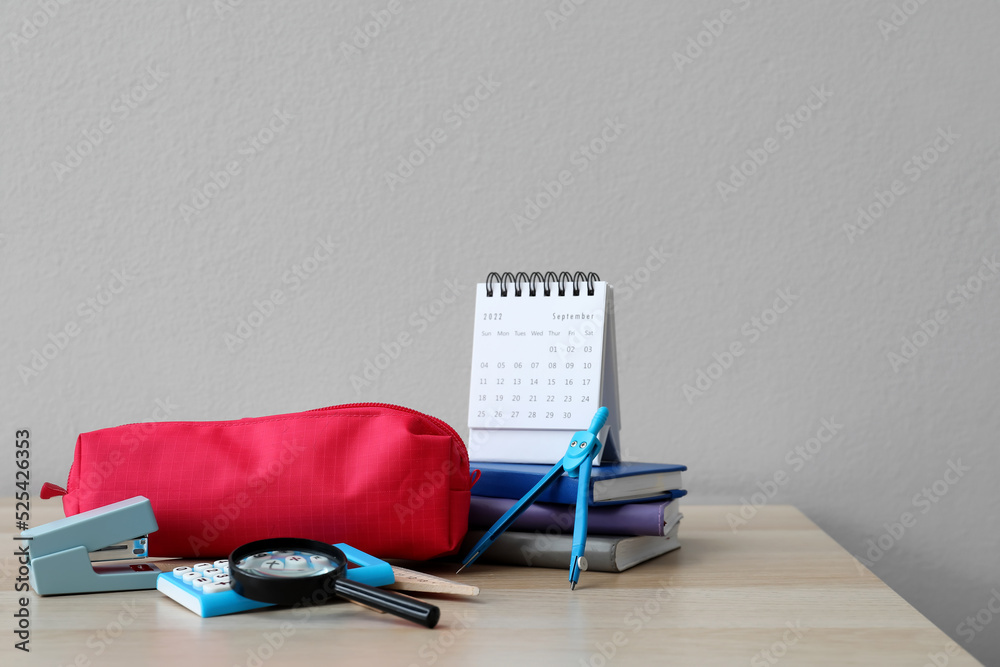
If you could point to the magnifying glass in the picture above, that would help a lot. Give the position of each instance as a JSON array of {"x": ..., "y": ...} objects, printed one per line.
[{"x": 289, "y": 571}]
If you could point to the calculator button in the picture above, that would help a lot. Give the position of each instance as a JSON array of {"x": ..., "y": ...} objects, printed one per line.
[
  {"x": 253, "y": 561},
  {"x": 221, "y": 563},
  {"x": 188, "y": 577},
  {"x": 319, "y": 561},
  {"x": 180, "y": 571},
  {"x": 273, "y": 564},
  {"x": 216, "y": 587},
  {"x": 296, "y": 563},
  {"x": 220, "y": 579},
  {"x": 200, "y": 582},
  {"x": 211, "y": 572},
  {"x": 201, "y": 567}
]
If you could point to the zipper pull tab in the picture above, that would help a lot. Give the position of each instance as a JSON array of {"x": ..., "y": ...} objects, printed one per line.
[{"x": 50, "y": 490}]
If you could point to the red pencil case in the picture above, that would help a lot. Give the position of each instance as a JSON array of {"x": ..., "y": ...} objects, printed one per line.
[{"x": 385, "y": 479}]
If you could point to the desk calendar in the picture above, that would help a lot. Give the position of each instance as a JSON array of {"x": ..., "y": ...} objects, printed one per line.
[{"x": 543, "y": 361}]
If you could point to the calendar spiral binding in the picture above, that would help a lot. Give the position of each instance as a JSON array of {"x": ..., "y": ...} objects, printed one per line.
[{"x": 546, "y": 281}]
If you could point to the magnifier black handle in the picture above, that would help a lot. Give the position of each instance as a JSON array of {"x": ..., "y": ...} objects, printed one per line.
[{"x": 419, "y": 612}]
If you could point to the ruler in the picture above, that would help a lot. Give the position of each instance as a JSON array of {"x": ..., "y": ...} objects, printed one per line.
[{"x": 411, "y": 580}]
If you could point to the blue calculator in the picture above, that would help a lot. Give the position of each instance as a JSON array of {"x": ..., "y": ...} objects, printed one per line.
[{"x": 206, "y": 589}]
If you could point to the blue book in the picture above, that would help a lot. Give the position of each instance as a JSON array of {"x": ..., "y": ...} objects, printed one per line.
[{"x": 610, "y": 484}]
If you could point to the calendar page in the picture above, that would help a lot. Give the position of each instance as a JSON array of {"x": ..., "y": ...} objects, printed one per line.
[
  {"x": 536, "y": 360},
  {"x": 540, "y": 369}
]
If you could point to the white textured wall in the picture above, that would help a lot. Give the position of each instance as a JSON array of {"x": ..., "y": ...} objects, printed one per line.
[{"x": 331, "y": 122}]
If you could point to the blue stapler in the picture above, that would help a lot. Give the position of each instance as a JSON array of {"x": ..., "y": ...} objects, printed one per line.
[{"x": 62, "y": 553}]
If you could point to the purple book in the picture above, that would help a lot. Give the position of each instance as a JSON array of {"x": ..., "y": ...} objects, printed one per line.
[{"x": 650, "y": 518}]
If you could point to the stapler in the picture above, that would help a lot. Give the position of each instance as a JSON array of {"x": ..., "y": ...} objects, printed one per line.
[{"x": 62, "y": 553}]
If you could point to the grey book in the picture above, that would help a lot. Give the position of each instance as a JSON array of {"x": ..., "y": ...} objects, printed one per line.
[{"x": 604, "y": 553}]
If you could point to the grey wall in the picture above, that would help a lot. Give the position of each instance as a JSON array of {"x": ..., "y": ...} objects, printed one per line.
[{"x": 308, "y": 119}]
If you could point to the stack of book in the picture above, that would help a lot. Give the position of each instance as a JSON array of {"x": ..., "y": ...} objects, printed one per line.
[{"x": 633, "y": 514}]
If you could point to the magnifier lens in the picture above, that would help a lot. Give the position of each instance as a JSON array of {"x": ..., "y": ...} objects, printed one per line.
[{"x": 286, "y": 564}]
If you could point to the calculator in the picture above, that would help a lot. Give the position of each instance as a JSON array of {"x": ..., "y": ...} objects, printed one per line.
[{"x": 206, "y": 589}]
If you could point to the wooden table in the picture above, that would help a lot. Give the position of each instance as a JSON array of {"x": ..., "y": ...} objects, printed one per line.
[{"x": 777, "y": 590}]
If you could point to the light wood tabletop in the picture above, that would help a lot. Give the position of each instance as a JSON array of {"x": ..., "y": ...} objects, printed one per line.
[{"x": 775, "y": 591}]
